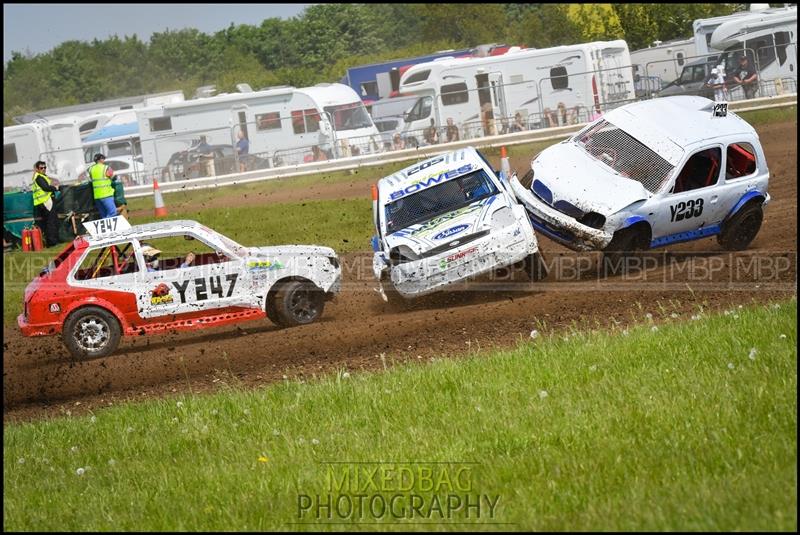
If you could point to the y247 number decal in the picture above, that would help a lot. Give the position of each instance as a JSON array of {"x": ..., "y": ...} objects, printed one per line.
[{"x": 686, "y": 209}]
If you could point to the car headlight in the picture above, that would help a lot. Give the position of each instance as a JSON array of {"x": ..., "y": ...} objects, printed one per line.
[
  {"x": 503, "y": 218},
  {"x": 402, "y": 254}
]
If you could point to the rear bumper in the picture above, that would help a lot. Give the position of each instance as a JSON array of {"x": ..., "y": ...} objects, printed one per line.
[{"x": 39, "y": 329}]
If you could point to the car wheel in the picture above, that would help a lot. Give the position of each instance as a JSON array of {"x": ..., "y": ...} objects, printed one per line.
[
  {"x": 535, "y": 267},
  {"x": 296, "y": 303},
  {"x": 742, "y": 228},
  {"x": 617, "y": 254},
  {"x": 91, "y": 332}
]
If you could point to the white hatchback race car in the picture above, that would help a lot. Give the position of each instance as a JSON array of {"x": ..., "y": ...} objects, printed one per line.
[
  {"x": 105, "y": 285},
  {"x": 650, "y": 174},
  {"x": 444, "y": 220}
]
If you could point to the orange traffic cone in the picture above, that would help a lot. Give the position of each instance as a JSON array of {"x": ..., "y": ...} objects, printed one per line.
[
  {"x": 505, "y": 165},
  {"x": 161, "y": 210}
]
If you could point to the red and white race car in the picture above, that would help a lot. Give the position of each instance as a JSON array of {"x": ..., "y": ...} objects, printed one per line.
[{"x": 103, "y": 285}]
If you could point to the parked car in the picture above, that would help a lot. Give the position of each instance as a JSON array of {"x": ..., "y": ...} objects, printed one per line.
[
  {"x": 692, "y": 80},
  {"x": 444, "y": 220},
  {"x": 103, "y": 285},
  {"x": 189, "y": 163},
  {"x": 650, "y": 174}
]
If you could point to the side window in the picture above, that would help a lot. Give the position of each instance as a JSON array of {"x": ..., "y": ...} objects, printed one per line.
[
  {"x": 558, "y": 78},
  {"x": 740, "y": 161},
  {"x": 160, "y": 124},
  {"x": 700, "y": 171},
  {"x": 418, "y": 77},
  {"x": 369, "y": 88},
  {"x": 454, "y": 94},
  {"x": 782, "y": 40},
  {"x": 108, "y": 261},
  {"x": 268, "y": 121},
  {"x": 421, "y": 109},
  {"x": 181, "y": 252},
  {"x": 10, "y": 153},
  {"x": 764, "y": 50},
  {"x": 305, "y": 121}
]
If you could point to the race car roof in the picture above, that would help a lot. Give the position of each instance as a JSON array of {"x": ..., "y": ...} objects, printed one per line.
[
  {"x": 670, "y": 125},
  {"x": 439, "y": 163},
  {"x": 148, "y": 230}
]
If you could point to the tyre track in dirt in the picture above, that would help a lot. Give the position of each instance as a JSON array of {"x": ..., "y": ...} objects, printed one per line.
[{"x": 40, "y": 378}]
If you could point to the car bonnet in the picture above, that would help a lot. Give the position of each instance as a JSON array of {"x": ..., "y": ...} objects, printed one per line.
[{"x": 573, "y": 176}]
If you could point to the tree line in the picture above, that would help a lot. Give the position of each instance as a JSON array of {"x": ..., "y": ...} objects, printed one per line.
[{"x": 319, "y": 46}]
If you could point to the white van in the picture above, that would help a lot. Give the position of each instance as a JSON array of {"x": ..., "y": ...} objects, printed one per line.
[
  {"x": 56, "y": 143},
  {"x": 282, "y": 125},
  {"x": 582, "y": 79}
]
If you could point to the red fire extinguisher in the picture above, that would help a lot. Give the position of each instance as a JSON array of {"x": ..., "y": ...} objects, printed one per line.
[
  {"x": 36, "y": 236},
  {"x": 27, "y": 240}
]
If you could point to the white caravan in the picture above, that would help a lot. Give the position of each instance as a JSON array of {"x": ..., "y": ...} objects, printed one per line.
[
  {"x": 768, "y": 36},
  {"x": 56, "y": 143},
  {"x": 660, "y": 63},
  {"x": 281, "y": 124},
  {"x": 584, "y": 79}
]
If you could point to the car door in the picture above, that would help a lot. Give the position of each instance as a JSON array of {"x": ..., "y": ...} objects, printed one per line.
[
  {"x": 692, "y": 199},
  {"x": 215, "y": 280}
]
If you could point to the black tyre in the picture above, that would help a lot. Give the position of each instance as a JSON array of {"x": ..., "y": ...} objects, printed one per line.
[
  {"x": 619, "y": 252},
  {"x": 296, "y": 303},
  {"x": 91, "y": 332},
  {"x": 394, "y": 299},
  {"x": 536, "y": 267},
  {"x": 741, "y": 229}
]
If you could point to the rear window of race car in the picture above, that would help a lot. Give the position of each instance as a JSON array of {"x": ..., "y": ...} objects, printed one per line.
[
  {"x": 624, "y": 154},
  {"x": 440, "y": 199}
]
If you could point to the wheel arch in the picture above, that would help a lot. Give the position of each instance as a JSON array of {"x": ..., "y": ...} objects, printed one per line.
[
  {"x": 98, "y": 303},
  {"x": 750, "y": 196},
  {"x": 641, "y": 227}
]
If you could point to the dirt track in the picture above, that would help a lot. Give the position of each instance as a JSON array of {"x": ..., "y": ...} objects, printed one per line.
[{"x": 39, "y": 378}]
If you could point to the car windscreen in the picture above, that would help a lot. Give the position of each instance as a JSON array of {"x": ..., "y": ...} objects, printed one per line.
[
  {"x": 349, "y": 116},
  {"x": 437, "y": 200},
  {"x": 624, "y": 154}
]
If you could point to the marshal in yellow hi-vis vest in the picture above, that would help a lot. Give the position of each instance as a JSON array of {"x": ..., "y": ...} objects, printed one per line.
[
  {"x": 40, "y": 196},
  {"x": 100, "y": 174}
]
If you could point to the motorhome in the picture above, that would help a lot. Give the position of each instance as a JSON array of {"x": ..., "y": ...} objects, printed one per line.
[
  {"x": 703, "y": 28},
  {"x": 546, "y": 87},
  {"x": 768, "y": 38},
  {"x": 57, "y": 143},
  {"x": 282, "y": 125},
  {"x": 660, "y": 63}
]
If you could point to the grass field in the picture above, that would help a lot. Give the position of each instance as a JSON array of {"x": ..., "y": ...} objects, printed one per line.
[{"x": 690, "y": 426}]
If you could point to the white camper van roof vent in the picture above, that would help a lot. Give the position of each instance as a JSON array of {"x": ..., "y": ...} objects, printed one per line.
[
  {"x": 323, "y": 84},
  {"x": 244, "y": 88},
  {"x": 205, "y": 91}
]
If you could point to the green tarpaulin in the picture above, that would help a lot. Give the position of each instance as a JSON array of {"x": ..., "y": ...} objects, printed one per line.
[{"x": 74, "y": 200}]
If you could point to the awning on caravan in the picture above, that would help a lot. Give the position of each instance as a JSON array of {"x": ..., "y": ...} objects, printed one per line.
[{"x": 115, "y": 130}]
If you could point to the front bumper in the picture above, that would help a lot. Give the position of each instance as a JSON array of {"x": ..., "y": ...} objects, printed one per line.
[
  {"x": 498, "y": 249},
  {"x": 557, "y": 226}
]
